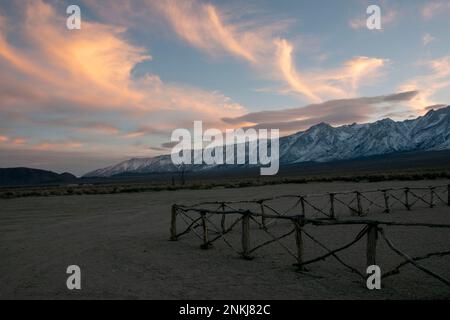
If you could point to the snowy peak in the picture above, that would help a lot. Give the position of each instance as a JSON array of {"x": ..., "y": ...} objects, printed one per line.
[
  {"x": 325, "y": 143},
  {"x": 136, "y": 165}
]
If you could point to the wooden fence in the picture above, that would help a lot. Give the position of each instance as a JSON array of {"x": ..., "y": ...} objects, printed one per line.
[{"x": 217, "y": 220}]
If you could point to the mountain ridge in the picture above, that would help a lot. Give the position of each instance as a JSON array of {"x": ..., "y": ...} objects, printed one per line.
[
  {"x": 325, "y": 143},
  {"x": 21, "y": 176}
]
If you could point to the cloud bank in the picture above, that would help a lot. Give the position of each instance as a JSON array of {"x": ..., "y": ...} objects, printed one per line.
[{"x": 334, "y": 112}]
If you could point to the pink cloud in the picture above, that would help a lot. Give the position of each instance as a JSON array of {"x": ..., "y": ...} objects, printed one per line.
[
  {"x": 57, "y": 146},
  {"x": 290, "y": 74},
  {"x": 99, "y": 128},
  {"x": 218, "y": 31},
  {"x": 319, "y": 85},
  {"x": 81, "y": 74},
  {"x": 436, "y": 80},
  {"x": 19, "y": 141},
  {"x": 91, "y": 68},
  {"x": 432, "y": 8},
  {"x": 210, "y": 29},
  {"x": 204, "y": 26},
  {"x": 335, "y": 112}
]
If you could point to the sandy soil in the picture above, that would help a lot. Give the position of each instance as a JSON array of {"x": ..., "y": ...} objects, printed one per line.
[{"x": 121, "y": 244}]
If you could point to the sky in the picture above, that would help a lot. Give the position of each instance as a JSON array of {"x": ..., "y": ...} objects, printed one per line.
[{"x": 78, "y": 100}]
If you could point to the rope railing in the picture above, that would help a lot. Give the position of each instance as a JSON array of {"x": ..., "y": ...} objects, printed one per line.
[
  {"x": 359, "y": 204},
  {"x": 199, "y": 219}
]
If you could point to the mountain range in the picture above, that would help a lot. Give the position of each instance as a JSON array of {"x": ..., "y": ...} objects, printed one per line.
[
  {"x": 325, "y": 143},
  {"x": 30, "y": 177}
]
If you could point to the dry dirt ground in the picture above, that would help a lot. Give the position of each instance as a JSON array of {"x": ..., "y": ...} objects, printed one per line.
[{"x": 121, "y": 244}]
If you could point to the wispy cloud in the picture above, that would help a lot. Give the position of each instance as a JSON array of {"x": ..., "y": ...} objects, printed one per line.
[
  {"x": 201, "y": 25},
  {"x": 110, "y": 88},
  {"x": 289, "y": 72},
  {"x": 219, "y": 31},
  {"x": 427, "y": 39},
  {"x": 12, "y": 141},
  {"x": 57, "y": 145},
  {"x": 98, "y": 128},
  {"x": 388, "y": 17},
  {"x": 437, "y": 79},
  {"x": 18, "y": 141},
  {"x": 322, "y": 84},
  {"x": 49, "y": 70},
  {"x": 433, "y": 8},
  {"x": 206, "y": 27}
]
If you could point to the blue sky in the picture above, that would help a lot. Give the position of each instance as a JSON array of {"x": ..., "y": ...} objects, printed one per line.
[{"x": 75, "y": 100}]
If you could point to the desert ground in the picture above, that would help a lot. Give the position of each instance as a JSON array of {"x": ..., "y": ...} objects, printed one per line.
[{"x": 121, "y": 242}]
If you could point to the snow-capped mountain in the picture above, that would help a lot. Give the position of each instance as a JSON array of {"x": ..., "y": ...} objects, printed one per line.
[
  {"x": 137, "y": 165},
  {"x": 324, "y": 143}
]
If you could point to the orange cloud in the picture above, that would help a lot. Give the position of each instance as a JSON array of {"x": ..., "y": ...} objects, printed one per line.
[
  {"x": 219, "y": 31},
  {"x": 229, "y": 40},
  {"x": 91, "y": 67},
  {"x": 360, "y": 69},
  {"x": 99, "y": 128},
  {"x": 26, "y": 143},
  {"x": 320, "y": 85},
  {"x": 430, "y": 84},
  {"x": 433, "y": 8},
  {"x": 287, "y": 68},
  {"x": 82, "y": 74},
  {"x": 134, "y": 134},
  {"x": 59, "y": 145},
  {"x": 19, "y": 141},
  {"x": 207, "y": 28}
]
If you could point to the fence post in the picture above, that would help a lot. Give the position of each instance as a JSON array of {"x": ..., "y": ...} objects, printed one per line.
[
  {"x": 246, "y": 236},
  {"x": 173, "y": 224},
  {"x": 431, "y": 197},
  {"x": 386, "y": 201},
  {"x": 263, "y": 219},
  {"x": 358, "y": 200},
  {"x": 223, "y": 221},
  {"x": 332, "y": 213},
  {"x": 206, "y": 244},
  {"x": 299, "y": 242},
  {"x": 371, "y": 253},
  {"x": 448, "y": 195},
  {"x": 302, "y": 201},
  {"x": 408, "y": 207}
]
